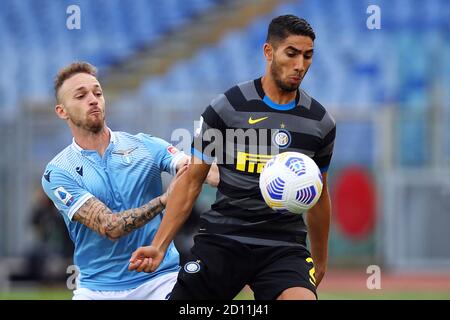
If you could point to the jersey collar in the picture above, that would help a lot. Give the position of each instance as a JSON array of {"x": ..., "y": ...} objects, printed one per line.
[
  {"x": 77, "y": 148},
  {"x": 270, "y": 103}
]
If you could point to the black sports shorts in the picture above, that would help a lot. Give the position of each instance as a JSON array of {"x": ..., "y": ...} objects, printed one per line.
[{"x": 218, "y": 268}]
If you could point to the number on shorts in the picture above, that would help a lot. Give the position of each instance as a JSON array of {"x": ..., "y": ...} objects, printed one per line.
[{"x": 312, "y": 272}]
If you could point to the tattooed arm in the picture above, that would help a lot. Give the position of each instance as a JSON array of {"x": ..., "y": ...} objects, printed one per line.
[{"x": 97, "y": 216}]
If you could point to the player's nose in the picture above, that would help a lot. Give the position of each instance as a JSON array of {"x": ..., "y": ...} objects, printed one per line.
[
  {"x": 92, "y": 99},
  {"x": 300, "y": 64}
]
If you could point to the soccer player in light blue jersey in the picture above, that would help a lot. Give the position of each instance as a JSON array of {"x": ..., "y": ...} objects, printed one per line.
[{"x": 107, "y": 186}]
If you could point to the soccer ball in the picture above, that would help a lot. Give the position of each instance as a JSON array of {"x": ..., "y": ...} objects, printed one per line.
[{"x": 291, "y": 181}]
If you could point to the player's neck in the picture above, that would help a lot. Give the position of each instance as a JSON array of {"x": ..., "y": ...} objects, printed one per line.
[
  {"x": 274, "y": 93},
  {"x": 92, "y": 141}
]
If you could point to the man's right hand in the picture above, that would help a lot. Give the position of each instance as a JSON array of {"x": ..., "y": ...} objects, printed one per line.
[{"x": 146, "y": 259}]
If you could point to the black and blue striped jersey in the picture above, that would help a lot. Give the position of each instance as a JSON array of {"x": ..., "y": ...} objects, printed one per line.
[{"x": 242, "y": 129}]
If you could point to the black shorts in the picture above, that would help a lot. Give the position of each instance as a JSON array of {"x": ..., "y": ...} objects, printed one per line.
[{"x": 218, "y": 268}]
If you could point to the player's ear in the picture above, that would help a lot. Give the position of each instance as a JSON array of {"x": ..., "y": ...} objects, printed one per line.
[
  {"x": 61, "y": 111},
  {"x": 268, "y": 52}
]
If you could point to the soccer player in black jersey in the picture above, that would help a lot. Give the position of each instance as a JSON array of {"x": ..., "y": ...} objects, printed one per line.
[{"x": 241, "y": 240}]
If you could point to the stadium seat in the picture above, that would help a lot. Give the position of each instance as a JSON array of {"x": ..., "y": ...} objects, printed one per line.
[{"x": 111, "y": 31}]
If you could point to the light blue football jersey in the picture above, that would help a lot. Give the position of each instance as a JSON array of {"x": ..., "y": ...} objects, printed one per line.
[{"x": 127, "y": 176}]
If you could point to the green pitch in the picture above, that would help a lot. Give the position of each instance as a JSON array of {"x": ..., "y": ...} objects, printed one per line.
[
  {"x": 61, "y": 294},
  {"x": 370, "y": 295},
  {"x": 47, "y": 294}
]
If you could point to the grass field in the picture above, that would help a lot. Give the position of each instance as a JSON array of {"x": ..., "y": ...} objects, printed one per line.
[
  {"x": 338, "y": 285},
  {"x": 61, "y": 294},
  {"x": 399, "y": 295}
]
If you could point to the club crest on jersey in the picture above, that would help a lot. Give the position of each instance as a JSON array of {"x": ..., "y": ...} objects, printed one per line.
[
  {"x": 64, "y": 196},
  {"x": 127, "y": 158},
  {"x": 282, "y": 138},
  {"x": 192, "y": 266}
]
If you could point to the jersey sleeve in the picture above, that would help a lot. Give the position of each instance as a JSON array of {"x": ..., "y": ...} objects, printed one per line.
[
  {"x": 166, "y": 155},
  {"x": 324, "y": 154},
  {"x": 208, "y": 142},
  {"x": 67, "y": 195}
]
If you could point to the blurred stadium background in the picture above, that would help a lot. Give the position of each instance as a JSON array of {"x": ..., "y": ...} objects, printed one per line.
[{"x": 161, "y": 62}]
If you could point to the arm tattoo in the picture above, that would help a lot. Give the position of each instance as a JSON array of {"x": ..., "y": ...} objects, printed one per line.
[{"x": 97, "y": 216}]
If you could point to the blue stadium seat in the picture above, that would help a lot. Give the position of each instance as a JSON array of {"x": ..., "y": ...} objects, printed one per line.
[
  {"x": 111, "y": 31},
  {"x": 353, "y": 66}
]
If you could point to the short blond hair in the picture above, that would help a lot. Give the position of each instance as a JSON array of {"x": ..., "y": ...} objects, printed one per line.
[{"x": 71, "y": 70}]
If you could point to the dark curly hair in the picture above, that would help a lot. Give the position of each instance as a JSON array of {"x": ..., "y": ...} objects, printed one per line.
[{"x": 283, "y": 26}]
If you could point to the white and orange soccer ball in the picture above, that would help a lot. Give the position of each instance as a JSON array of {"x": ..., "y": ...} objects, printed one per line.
[{"x": 291, "y": 181}]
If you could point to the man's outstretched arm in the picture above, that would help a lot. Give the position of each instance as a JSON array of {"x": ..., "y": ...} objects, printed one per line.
[
  {"x": 318, "y": 221},
  {"x": 179, "y": 207},
  {"x": 213, "y": 176},
  {"x": 98, "y": 217}
]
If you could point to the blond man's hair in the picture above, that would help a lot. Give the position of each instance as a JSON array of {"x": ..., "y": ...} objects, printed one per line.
[{"x": 71, "y": 70}]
